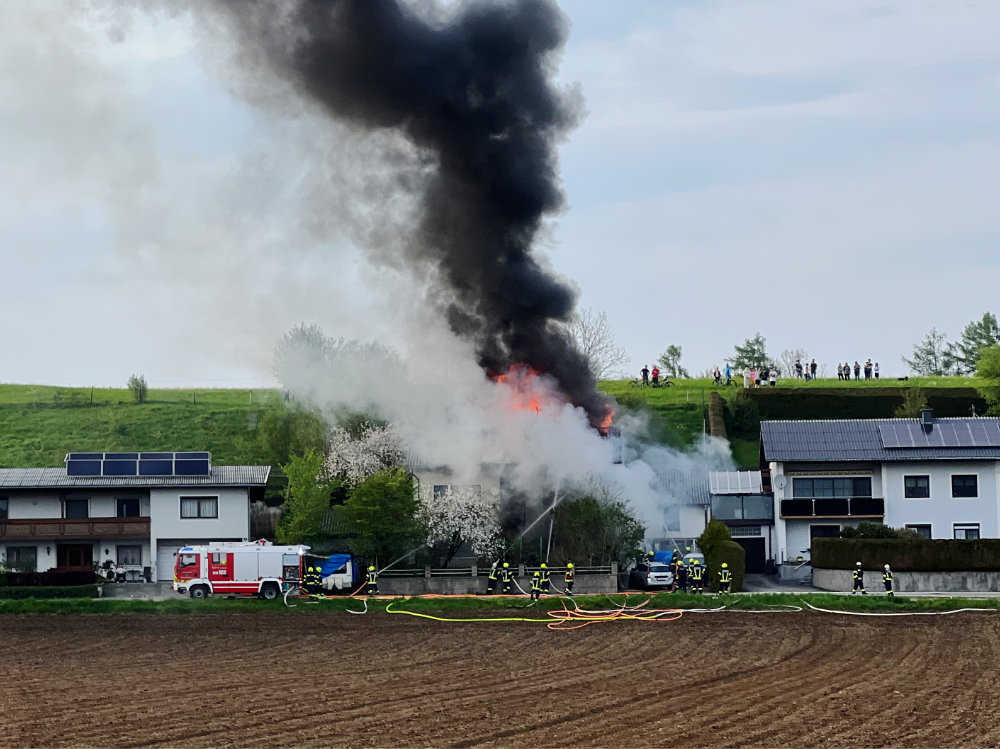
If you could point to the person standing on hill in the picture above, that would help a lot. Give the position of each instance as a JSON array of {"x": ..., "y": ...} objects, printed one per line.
[
  {"x": 875, "y": 368},
  {"x": 718, "y": 375},
  {"x": 859, "y": 580},
  {"x": 656, "y": 376},
  {"x": 857, "y": 370},
  {"x": 840, "y": 371},
  {"x": 645, "y": 375},
  {"x": 729, "y": 373},
  {"x": 812, "y": 368},
  {"x": 773, "y": 376},
  {"x": 798, "y": 369},
  {"x": 887, "y": 582},
  {"x": 746, "y": 377}
]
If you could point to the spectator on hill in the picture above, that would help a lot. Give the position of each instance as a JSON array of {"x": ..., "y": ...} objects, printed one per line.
[
  {"x": 812, "y": 368},
  {"x": 746, "y": 377},
  {"x": 773, "y": 376},
  {"x": 798, "y": 369},
  {"x": 876, "y": 370},
  {"x": 656, "y": 376},
  {"x": 645, "y": 375},
  {"x": 753, "y": 377},
  {"x": 718, "y": 375},
  {"x": 868, "y": 369},
  {"x": 729, "y": 373},
  {"x": 857, "y": 370},
  {"x": 840, "y": 371},
  {"x": 847, "y": 370}
]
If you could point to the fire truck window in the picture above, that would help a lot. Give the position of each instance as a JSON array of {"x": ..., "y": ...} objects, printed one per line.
[
  {"x": 188, "y": 559},
  {"x": 218, "y": 557}
]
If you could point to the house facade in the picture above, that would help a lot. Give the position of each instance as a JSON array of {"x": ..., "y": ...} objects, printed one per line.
[
  {"x": 742, "y": 501},
  {"x": 132, "y": 509},
  {"x": 938, "y": 477}
]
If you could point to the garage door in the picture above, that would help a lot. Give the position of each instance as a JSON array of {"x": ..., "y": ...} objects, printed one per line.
[{"x": 166, "y": 555}]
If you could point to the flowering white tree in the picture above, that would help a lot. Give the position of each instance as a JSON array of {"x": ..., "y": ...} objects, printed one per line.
[
  {"x": 353, "y": 460},
  {"x": 463, "y": 514}
]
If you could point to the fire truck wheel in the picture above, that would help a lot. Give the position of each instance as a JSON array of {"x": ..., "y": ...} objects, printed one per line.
[
  {"x": 269, "y": 591},
  {"x": 199, "y": 591}
]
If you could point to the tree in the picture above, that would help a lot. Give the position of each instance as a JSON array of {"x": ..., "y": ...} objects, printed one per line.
[
  {"x": 670, "y": 361},
  {"x": 300, "y": 355},
  {"x": 284, "y": 432},
  {"x": 930, "y": 356},
  {"x": 594, "y": 339},
  {"x": 788, "y": 359},
  {"x": 598, "y": 528},
  {"x": 988, "y": 371},
  {"x": 913, "y": 401},
  {"x": 353, "y": 459},
  {"x": 462, "y": 514},
  {"x": 384, "y": 512},
  {"x": 714, "y": 534},
  {"x": 137, "y": 384},
  {"x": 306, "y": 499},
  {"x": 753, "y": 353},
  {"x": 977, "y": 336}
]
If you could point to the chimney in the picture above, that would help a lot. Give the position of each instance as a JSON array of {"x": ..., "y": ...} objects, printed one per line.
[{"x": 927, "y": 418}]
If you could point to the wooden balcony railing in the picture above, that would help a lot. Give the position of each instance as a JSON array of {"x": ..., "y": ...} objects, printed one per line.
[{"x": 81, "y": 528}]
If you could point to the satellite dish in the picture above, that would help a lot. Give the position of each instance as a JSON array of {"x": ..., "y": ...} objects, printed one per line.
[{"x": 779, "y": 481}]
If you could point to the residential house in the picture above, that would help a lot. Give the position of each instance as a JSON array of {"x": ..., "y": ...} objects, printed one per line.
[
  {"x": 939, "y": 477},
  {"x": 134, "y": 509}
]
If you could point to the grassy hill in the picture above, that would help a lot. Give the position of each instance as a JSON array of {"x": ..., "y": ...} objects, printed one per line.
[{"x": 40, "y": 424}]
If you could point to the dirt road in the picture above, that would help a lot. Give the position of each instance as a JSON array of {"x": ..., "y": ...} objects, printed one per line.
[{"x": 273, "y": 679}]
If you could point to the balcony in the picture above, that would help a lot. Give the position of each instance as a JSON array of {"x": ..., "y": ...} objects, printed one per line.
[
  {"x": 74, "y": 528},
  {"x": 758, "y": 507},
  {"x": 833, "y": 507}
]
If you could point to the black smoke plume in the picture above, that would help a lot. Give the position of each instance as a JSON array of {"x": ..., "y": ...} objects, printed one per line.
[{"x": 472, "y": 90}]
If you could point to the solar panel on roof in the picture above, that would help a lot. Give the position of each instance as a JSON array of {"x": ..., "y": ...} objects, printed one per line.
[
  {"x": 156, "y": 456},
  {"x": 83, "y": 467},
  {"x": 120, "y": 467},
  {"x": 193, "y": 456},
  {"x": 130, "y": 464},
  {"x": 156, "y": 467},
  {"x": 191, "y": 468},
  {"x": 85, "y": 456},
  {"x": 968, "y": 433},
  {"x": 121, "y": 456}
]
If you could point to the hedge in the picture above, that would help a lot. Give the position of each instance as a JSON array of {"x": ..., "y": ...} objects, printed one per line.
[
  {"x": 50, "y": 579},
  {"x": 62, "y": 591},
  {"x": 916, "y": 555},
  {"x": 868, "y": 403},
  {"x": 733, "y": 555}
]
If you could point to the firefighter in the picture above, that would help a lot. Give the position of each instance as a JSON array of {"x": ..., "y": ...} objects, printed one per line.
[
  {"x": 545, "y": 579},
  {"x": 317, "y": 581},
  {"x": 536, "y": 587},
  {"x": 887, "y": 582},
  {"x": 725, "y": 578},
  {"x": 697, "y": 577},
  {"x": 859, "y": 580},
  {"x": 491, "y": 580},
  {"x": 681, "y": 577},
  {"x": 506, "y": 577},
  {"x": 570, "y": 575},
  {"x": 372, "y": 589},
  {"x": 309, "y": 581}
]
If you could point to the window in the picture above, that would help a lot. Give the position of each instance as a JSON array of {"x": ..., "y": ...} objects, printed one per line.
[
  {"x": 22, "y": 558},
  {"x": 834, "y": 486},
  {"x": 965, "y": 486},
  {"x": 742, "y": 531},
  {"x": 188, "y": 560},
  {"x": 967, "y": 531},
  {"x": 77, "y": 508},
  {"x": 3, "y": 508},
  {"x": 127, "y": 508},
  {"x": 824, "y": 531},
  {"x": 923, "y": 530},
  {"x": 916, "y": 487},
  {"x": 130, "y": 555},
  {"x": 199, "y": 507}
]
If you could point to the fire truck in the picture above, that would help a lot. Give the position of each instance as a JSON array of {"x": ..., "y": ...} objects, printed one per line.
[{"x": 254, "y": 568}]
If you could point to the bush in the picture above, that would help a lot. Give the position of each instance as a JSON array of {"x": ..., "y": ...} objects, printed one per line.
[
  {"x": 715, "y": 533},
  {"x": 734, "y": 556},
  {"x": 74, "y": 591},
  {"x": 137, "y": 384},
  {"x": 907, "y": 554},
  {"x": 746, "y": 414},
  {"x": 50, "y": 579},
  {"x": 863, "y": 403}
]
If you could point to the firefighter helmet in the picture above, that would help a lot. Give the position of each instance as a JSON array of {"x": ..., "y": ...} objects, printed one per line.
[
  {"x": 887, "y": 568},
  {"x": 371, "y": 568},
  {"x": 543, "y": 565},
  {"x": 505, "y": 565},
  {"x": 569, "y": 564},
  {"x": 697, "y": 562},
  {"x": 859, "y": 564},
  {"x": 536, "y": 574},
  {"x": 724, "y": 565}
]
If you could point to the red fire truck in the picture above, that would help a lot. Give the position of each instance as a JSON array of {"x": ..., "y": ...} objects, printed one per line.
[{"x": 250, "y": 568}]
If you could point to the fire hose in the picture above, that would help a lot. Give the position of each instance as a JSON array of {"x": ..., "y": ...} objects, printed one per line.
[{"x": 896, "y": 613}]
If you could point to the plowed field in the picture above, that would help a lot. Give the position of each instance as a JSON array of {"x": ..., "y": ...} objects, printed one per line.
[{"x": 274, "y": 679}]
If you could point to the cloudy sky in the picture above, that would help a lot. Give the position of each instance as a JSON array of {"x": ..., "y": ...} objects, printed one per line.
[{"x": 821, "y": 172}]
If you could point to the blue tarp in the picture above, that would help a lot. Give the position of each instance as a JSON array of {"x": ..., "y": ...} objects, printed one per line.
[
  {"x": 335, "y": 563},
  {"x": 663, "y": 556}
]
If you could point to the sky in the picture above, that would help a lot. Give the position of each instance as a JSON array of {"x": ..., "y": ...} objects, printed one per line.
[{"x": 824, "y": 173}]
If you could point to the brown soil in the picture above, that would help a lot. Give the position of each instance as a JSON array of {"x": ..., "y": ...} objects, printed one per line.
[{"x": 274, "y": 679}]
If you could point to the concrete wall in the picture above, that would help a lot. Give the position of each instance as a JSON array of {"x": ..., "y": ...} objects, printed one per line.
[
  {"x": 911, "y": 582},
  {"x": 414, "y": 586}
]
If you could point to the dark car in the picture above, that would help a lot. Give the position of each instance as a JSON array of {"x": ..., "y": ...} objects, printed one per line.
[{"x": 648, "y": 575}]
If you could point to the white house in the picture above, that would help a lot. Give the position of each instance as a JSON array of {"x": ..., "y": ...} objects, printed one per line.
[
  {"x": 940, "y": 477},
  {"x": 134, "y": 509}
]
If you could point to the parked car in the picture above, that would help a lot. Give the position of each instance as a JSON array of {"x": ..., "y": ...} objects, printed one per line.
[{"x": 648, "y": 575}]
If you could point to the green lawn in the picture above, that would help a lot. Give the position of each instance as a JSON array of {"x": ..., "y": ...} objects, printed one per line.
[{"x": 40, "y": 424}]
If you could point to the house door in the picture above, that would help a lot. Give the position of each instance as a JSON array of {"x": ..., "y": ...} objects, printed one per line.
[
  {"x": 754, "y": 550},
  {"x": 74, "y": 555}
]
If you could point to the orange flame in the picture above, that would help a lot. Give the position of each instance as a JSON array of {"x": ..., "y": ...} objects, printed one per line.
[{"x": 522, "y": 380}]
